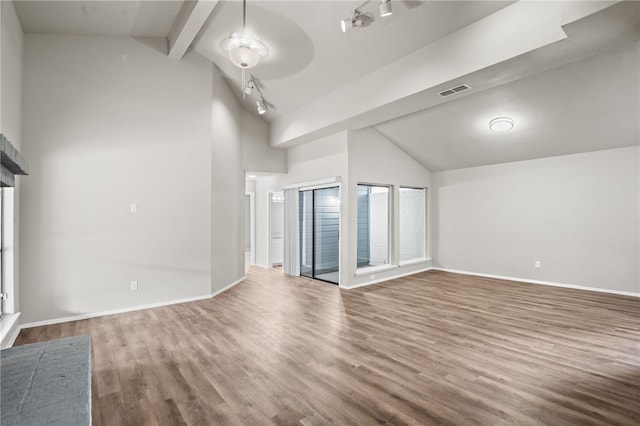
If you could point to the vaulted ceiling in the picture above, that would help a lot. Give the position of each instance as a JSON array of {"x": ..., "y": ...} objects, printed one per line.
[
  {"x": 310, "y": 55},
  {"x": 574, "y": 88}
]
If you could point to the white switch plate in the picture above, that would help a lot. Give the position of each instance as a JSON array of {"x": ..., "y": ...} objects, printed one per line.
[
  {"x": 538, "y": 264},
  {"x": 133, "y": 207},
  {"x": 134, "y": 285}
]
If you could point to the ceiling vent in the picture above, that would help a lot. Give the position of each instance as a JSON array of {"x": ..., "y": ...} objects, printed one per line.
[{"x": 454, "y": 90}]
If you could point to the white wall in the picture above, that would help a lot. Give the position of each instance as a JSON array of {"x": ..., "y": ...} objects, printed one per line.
[
  {"x": 320, "y": 159},
  {"x": 107, "y": 122},
  {"x": 257, "y": 153},
  {"x": 11, "y": 40},
  {"x": 577, "y": 214},
  {"x": 227, "y": 187},
  {"x": 375, "y": 160}
]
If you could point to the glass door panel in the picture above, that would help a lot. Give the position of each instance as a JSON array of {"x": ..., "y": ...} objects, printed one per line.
[
  {"x": 306, "y": 233},
  {"x": 320, "y": 234},
  {"x": 326, "y": 234}
]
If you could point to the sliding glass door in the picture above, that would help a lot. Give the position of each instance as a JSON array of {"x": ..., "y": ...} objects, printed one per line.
[
  {"x": 306, "y": 233},
  {"x": 320, "y": 234}
]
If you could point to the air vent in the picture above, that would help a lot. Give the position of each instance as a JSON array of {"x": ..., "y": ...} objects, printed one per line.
[{"x": 454, "y": 90}]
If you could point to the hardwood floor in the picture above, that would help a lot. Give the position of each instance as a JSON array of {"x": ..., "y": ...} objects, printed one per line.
[{"x": 433, "y": 348}]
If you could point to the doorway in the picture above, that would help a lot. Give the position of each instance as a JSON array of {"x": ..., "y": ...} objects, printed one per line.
[
  {"x": 319, "y": 211},
  {"x": 249, "y": 229},
  {"x": 276, "y": 228}
]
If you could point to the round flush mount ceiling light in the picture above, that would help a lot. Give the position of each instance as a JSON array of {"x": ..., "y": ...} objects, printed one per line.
[{"x": 501, "y": 124}]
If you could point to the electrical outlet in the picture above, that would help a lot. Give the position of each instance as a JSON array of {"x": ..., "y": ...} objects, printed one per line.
[
  {"x": 538, "y": 264},
  {"x": 134, "y": 285},
  {"x": 372, "y": 276}
]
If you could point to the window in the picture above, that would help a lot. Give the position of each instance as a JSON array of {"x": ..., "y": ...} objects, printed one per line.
[
  {"x": 373, "y": 225},
  {"x": 2, "y": 292},
  {"x": 412, "y": 224}
]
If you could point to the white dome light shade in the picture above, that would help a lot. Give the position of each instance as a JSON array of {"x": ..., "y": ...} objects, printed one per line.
[
  {"x": 244, "y": 49},
  {"x": 501, "y": 124},
  {"x": 243, "y": 57}
]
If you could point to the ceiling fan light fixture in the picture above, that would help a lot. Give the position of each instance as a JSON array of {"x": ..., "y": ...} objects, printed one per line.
[
  {"x": 244, "y": 49},
  {"x": 385, "y": 8},
  {"x": 501, "y": 124}
]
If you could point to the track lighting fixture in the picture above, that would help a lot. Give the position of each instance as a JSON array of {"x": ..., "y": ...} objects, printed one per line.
[
  {"x": 346, "y": 24},
  {"x": 357, "y": 20},
  {"x": 252, "y": 87},
  {"x": 261, "y": 106},
  {"x": 360, "y": 19},
  {"x": 385, "y": 8}
]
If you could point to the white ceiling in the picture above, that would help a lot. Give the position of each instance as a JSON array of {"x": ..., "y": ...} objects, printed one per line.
[
  {"x": 588, "y": 105},
  {"x": 573, "y": 96},
  {"x": 115, "y": 18},
  {"x": 309, "y": 54}
]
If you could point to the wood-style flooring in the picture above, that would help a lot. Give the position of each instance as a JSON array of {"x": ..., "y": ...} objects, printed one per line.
[{"x": 434, "y": 348}]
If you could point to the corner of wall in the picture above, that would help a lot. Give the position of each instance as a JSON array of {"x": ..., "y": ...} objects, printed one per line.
[
  {"x": 257, "y": 153},
  {"x": 227, "y": 186}
]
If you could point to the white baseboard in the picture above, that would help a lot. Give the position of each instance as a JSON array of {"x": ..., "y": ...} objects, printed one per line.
[
  {"x": 404, "y": 274},
  {"x": 129, "y": 309},
  {"x": 13, "y": 338},
  {"x": 9, "y": 326},
  {"x": 223, "y": 289},
  {"x": 261, "y": 265},
  {"x": 549, "y": 283}
]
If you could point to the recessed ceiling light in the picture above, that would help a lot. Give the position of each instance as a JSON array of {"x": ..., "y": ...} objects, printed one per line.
[{"x": 501, "y": 124}]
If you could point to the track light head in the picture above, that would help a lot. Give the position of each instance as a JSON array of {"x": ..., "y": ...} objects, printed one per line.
[
  {"x": 251, "y": 85},
  {"x": 385, "y": 8},
  {"x": 346, "y": 24},
  {"x": 261, "y": 106},
  {"x": 357, "y": 20}
]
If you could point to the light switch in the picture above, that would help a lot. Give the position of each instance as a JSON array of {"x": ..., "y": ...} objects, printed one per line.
[{"x": 133, "y": 207}]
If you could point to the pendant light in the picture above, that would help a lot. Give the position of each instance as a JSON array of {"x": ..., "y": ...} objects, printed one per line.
[{"x": 242, "y": 47}]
